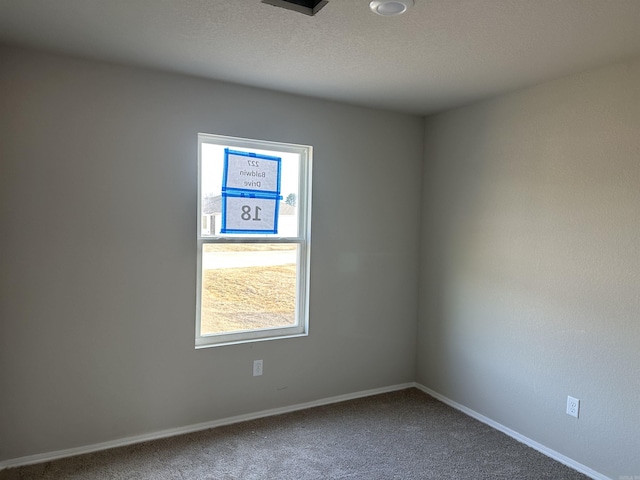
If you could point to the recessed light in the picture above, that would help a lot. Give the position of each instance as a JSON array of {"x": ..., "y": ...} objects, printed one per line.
[{"x": 390, "y": 8}]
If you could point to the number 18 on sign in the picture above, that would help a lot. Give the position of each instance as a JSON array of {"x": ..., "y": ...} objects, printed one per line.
[{"x": 249, "y": 214}]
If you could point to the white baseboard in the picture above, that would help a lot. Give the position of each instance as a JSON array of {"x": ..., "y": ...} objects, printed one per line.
[
  {"x": 70, "y": 452},
  {"x": 517, "y": 436}
]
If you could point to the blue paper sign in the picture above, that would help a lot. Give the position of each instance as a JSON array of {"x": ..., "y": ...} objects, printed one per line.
[
  {"x": 250, "y": 193},
  {"x": 251, "y": 172},
  {"x": 249, "y": 213}
]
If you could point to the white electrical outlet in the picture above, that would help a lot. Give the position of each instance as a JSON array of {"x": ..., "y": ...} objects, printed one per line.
[
  {"x": 573, "y": 406},
  {"x": 257, "y": 368}
]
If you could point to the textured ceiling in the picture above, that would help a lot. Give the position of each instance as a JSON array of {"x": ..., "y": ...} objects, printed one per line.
[{"x": 442, "y": 53}]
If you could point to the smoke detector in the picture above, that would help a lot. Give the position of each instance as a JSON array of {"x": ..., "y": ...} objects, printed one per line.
[
  {"x": 390, "y": 8},
  {"x": 308, "y": 7}
]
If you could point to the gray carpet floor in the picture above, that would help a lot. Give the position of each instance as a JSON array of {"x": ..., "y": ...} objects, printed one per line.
[{"x": 401, "y": 435}]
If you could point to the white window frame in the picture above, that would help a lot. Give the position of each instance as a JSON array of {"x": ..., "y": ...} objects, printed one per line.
[{"x": 303, "y": 240}]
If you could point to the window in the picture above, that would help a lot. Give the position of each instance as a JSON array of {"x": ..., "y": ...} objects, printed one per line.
[{"x": 254, "y": 204}]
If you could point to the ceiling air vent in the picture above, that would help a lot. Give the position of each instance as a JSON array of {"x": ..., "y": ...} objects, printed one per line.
[{"x": 308, "y": 7}]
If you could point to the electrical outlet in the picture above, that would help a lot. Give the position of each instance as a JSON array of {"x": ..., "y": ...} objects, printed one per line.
[
  {"x": 257, "y": 368},
  {"x": 573, "y": 406}
]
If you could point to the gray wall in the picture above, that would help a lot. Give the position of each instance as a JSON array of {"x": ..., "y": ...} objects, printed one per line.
[
  {"x": 98, "y": 258},
  {"x": 531, "y": 263}
]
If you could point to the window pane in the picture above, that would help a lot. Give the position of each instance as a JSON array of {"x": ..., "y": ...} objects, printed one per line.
[
  {"x": 212, "y": 162},
  {"x": 248, "y": 287}
]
